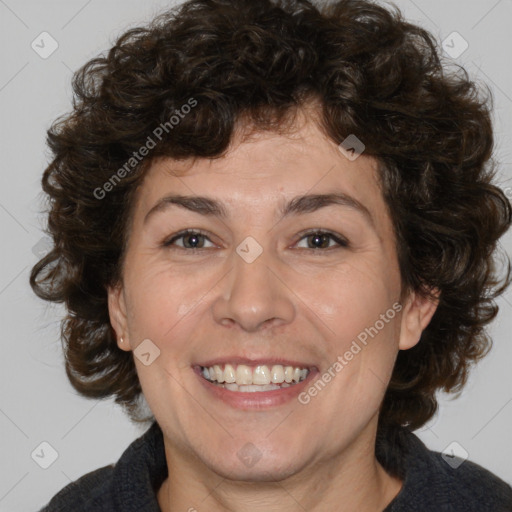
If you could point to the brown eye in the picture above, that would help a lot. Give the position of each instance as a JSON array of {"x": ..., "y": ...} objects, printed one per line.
[
  {"x": 321, "y": 239},
  {"x": 316, "y": 240},
  {"x": 191, "y": 240}
]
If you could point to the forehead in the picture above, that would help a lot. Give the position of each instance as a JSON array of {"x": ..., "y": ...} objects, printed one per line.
[
  {"x": 265, "y": 163},
  {"x": 259, "y": 175}
]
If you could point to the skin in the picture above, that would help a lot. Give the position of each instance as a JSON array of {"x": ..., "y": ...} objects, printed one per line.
[{"x": 288, "y": 303}]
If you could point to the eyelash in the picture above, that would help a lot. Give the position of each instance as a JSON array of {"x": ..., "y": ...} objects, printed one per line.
[{"x": 342, "y": 243}]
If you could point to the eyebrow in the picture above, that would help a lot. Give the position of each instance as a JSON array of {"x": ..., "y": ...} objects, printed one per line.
[{"x": 296, "y": 206}]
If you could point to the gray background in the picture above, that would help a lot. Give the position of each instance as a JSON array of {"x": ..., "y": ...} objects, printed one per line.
[{"x": 37, "y": 403}]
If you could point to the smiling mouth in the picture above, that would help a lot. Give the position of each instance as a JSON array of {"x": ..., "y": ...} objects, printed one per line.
[{"x": 252, "y": 379}]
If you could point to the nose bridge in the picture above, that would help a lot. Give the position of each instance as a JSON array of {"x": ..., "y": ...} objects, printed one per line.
[{"x": 254, "y": 295}]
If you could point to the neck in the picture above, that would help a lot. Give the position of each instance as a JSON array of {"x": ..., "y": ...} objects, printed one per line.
[{"x": 352, "y": 481}]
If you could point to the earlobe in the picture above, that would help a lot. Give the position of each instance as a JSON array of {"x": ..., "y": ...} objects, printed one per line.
[
  {"x": 117, "y": 313},
  {"x": 416, "y": 316}
]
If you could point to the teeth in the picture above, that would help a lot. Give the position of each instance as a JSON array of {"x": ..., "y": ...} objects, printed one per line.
[
  {"x": 260, "y": 376},
  {"x": 277, "y": 373},
  {"x": 243, "y": 375},
  {"x": 219, "y": 374},
  {"x": 229, "y": 374},
  {"x": 253, "y": 388}
]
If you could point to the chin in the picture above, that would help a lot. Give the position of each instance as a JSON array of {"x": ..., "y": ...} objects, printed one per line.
[
  {"x": 268, "y": 472},
  {"x": 250, "y": 464}
]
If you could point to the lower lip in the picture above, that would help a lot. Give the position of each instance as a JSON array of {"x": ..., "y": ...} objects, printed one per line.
[{"x": 257, "y": 399}]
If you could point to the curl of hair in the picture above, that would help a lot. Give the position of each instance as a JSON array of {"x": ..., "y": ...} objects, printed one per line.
[{"x": 373, "y": 75}]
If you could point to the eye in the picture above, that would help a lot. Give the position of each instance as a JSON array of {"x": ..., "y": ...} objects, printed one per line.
[
  {"x": 320, "y": 239},
  {"x": 192, "y": 240}
]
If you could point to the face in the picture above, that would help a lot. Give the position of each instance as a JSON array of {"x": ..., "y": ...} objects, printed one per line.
[{"x": 317, "y": 288}]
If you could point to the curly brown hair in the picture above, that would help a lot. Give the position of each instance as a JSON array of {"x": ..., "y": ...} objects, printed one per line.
[{"x": 373, "y": 75}]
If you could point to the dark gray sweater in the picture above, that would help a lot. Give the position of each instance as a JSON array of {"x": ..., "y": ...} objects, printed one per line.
[{"x": 430, "y": 484}]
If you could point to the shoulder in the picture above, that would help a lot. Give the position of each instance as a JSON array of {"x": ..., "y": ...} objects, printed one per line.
[
  {"x": 91, "y": 492},
  {"x": 127, "y": 485},
  {"x": 469, "y": 486},
  {"x": 433, "y": 481}
]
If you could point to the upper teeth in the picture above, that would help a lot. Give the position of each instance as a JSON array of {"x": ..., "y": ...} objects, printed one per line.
[{"x": 262, "y": 375}]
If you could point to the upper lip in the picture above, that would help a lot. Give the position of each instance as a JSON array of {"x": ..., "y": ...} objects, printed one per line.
[{"x": 254, "y": 362}]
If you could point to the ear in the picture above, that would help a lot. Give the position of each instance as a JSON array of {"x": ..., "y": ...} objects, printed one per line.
[
  {"x": 118, "y": 317},
  {"x": 417, "y": 313}
]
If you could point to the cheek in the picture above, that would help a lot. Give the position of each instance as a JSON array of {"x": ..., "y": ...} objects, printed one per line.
[
  {"x": 155, "y": 301},
  {"x": 359, "y": 306},
  {"x": 165, "y": 303},
  {"x": 352, "y": 298}
]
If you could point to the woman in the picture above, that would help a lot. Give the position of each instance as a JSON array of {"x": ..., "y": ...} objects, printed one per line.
[{"x": 278, "y": 223}]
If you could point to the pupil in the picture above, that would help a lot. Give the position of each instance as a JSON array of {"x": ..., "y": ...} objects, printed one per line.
[
  {"x": 194, "y": 237},
  {"x": 321, "y": 238},
  {"x": 318, "y": 240}
]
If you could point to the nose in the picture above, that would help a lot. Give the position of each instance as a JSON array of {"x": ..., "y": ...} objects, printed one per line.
[{"x": 255, "y": 295}]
